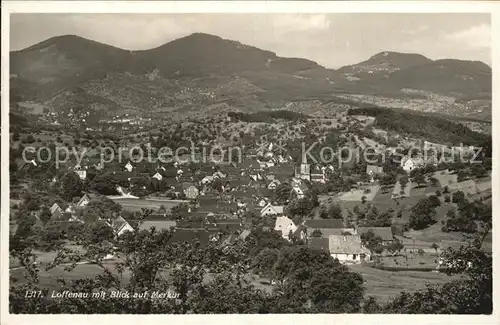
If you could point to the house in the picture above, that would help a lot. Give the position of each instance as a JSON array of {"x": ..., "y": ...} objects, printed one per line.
[
  {"x": 158, "y": 176},
  {"x": 274, "y": 184},
  {"x": 256, "y": 177},
  {"x": 348, "y": 249},
  {"x": 285, "y": 225},
  {"x": 81, "y": 172},
  {"x": 270, "y": 209},
  {"x": 319, "y": 243},
  {"x": 262, "y": 202},
  {"x": 129, "y": 167},
  {"x": 192, "y": 192},
  {"x": 408, "y": 164},
  {"x": 383, "y": 232},
  {"x": 56, "y": 211},
  {"x": 219, "y": 174},
  {"x": 85, "y": 200},
  {"x": 189, "y": 236},
  {"x": 326, "y": 227},
  {"x": 228, "y": 225},
  {"x": 207, "y": 180},
  {"x": 299, "y": 189},
  {"x": 120, "y": 226}
]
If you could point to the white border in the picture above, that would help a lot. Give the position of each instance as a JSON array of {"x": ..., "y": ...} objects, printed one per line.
[{"x": 239, "y": 7}]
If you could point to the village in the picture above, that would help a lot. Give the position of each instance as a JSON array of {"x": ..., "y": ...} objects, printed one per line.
[{"x": 360, "y": 214}]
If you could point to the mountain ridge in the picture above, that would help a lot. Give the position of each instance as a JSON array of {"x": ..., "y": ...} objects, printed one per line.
[{"x": 229, "y": 70}]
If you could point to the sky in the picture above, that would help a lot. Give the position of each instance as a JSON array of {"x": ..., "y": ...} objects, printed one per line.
[{"x": 332, "y": 40}]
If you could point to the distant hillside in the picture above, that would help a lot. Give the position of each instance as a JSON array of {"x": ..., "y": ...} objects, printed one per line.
[
  {"x": 384, "y": 63},
  {"x": 449, "y": 77},
  {"x": 200, "y": 70}
]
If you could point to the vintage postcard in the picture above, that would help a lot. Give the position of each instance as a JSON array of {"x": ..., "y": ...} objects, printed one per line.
[{"x": 232, "y": 162}]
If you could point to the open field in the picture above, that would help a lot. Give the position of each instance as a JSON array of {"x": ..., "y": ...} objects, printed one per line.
[
  {"x": 135, "y": 205},
  {"x": 356, "y": 195},
  {"x": 384, "y": 285}
]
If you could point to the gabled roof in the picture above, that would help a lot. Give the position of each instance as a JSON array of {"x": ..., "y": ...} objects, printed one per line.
[
  {"x": 55, "y": 207},
  {"x": 158, "y": 224},
  {"x": 320, "y": 243},
  {"x": 384, "y": 232},
  {"x": 339, "y": 244},
  {"x": 324, "y": 223},
  {"x": 118, "y": 223},
  {"x": 190, "y": 236},
  {"x": 277, "y": 208}
]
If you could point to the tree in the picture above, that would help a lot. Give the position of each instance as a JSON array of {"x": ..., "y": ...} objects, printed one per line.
[
  {"x": 458, "y": 198},
  {"x": 15, "y": 136},
  {"x": 70, "y": 186},
  {"x": 419, "y": 179},
  {"x": 470, "y": 295},
  {"x": 434, "y": 201},
  {"x": 283, "y": 192},
  {"x": 434, "y": 181},
  {"x": 422, "y": 215},
  {"x": 371, "y": 241},
  {"x": 335, "y": 211},
  {"x": 45, "y": 215},
  {"x": 395, "y": 247}
]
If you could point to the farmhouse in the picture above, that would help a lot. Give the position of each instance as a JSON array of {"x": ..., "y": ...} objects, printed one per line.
[
  {"x": 157, "y": 224},
  {"x": 347, "y": 249},
  {"x": 383, "y": 232},
  {"x": 270, "y": 209},
  {"x": 81, "y": 172},
  {"x": 320, "y": 243},
  {"x": 285, "y": 225},
  {"x": 158, "y": 176},
  {"x": 129, "y": 167},
  {"x": 56, "y": 211},
  {"x": 408, "y": 164},
  {"x": 326, "y": 227},
  {"x": 189, "y": 236},
  {"x": 85, "y": 200},
  {"x": 299, "y": 189},
  {"x": 120, "y": 226}
]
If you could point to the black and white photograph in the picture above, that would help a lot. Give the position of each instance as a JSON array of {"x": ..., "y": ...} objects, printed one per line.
[{"x": 248, "y": 162}]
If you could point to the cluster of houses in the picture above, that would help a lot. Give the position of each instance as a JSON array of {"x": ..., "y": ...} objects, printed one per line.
[{"x": 331, "y": 236}]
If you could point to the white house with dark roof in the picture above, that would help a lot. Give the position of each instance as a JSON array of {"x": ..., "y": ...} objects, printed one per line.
[
  {"x": 285, "y": 225},
  {"x": 120, "y": 226},
  {"x": 55, "y": 210},
  {"x": 270, "y": 210},
  {"x": 348, "y": 249},
  {"x": 158, "y": 176},
  {"x": 129, "y": 167},
  {"x": 273, "y": 184}
]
